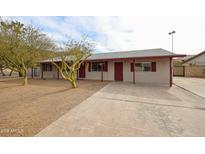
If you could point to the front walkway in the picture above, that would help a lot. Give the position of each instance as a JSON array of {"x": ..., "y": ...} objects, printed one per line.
[
  {"x": 194, "y": 85},
  {"x": 124, "y": 109}
]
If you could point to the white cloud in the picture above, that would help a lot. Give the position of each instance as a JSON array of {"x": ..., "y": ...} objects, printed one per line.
[{"x": 128, "y": 33}]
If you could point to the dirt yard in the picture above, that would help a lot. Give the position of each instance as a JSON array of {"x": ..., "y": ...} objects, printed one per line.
[{"x": 26, "y": 110}]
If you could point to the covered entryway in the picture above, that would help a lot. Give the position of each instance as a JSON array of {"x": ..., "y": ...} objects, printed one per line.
[
  {"x": 82, "y": 71},
  {"x": 118, "y": 71}
]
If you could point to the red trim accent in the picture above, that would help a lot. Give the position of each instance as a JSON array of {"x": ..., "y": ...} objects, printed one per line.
[
  {"x": 118, "y": 70},
  {"x": 170, "y": 73},
  {"x": 82, "y": 71},
  {"x": 133, "y": 65},
  {"x": 150, "y": 57},
  {"x": 154, "y": 67},
  {"x": 105, "y": 66}
]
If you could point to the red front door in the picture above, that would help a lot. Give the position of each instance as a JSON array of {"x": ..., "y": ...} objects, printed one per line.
[
  {"x": 118, "y": 71},
  {"x": 82, "y": 71}
]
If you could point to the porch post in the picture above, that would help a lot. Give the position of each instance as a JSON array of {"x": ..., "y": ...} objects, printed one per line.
[
  {"x": 102, "y": 71},
  {"x": 77, "y": 73},
  {"x": 183, "y": 71},
  {"x": 32, "y": 72},
  {"x": 57, "y": 71},
  {"x": 133, "y": 71},
  {"x": 170, "y": 69},
  {"x": 42, "y": 71}
]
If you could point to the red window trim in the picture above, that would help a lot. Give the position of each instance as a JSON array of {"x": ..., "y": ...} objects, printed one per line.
[{"x": 154, "y": 67}]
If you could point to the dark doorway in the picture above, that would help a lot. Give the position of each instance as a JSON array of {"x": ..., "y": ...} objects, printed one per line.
[
  {"x": 82, "y": 71},
  {"x": 118, "y": 71}
]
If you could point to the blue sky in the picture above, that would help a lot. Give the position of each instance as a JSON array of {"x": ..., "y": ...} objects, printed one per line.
[{"x": 125, "y": 33}]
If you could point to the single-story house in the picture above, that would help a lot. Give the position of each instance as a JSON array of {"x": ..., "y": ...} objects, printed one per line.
[
  {"x": 146, "y": 66},
  {"x": 195, "y": 66}
]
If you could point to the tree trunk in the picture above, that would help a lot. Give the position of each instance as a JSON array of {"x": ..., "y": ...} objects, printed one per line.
[
  {"x": 10, "y": 72},
  {"x": 2, "y": 71},
  {"x": 72, "y": 78},
  {"x": 25, "y": 78},
  {"x": 20, "y": 74},
  {"x": 73, "y": 83}
]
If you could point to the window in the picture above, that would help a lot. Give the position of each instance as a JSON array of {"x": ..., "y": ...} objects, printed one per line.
[
  {"x": 96, "y": 66},
  {"x": 143, "y": 67},
  {"x": 47, "y": 67},
  {"x": 36, "y": 72}
]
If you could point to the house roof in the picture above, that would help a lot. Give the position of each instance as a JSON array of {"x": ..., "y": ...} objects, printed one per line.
[
  {"x": 146, "y": 53},
  {"x": 195, "y": 56},
  {"x": 133, "y": 54}
]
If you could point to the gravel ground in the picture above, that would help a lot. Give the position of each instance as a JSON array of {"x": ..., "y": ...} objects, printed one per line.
[{"x": 26, "y": 110}]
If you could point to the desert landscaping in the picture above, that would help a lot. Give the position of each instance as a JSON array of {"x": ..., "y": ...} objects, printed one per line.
[{"x": 26, "y": 110}]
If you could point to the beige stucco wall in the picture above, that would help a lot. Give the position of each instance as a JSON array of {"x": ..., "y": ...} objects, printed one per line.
[
  {"x": 52, "y": 74},
  {"x": 161, "y": 76},
  {"x": 97, "y": 75}
]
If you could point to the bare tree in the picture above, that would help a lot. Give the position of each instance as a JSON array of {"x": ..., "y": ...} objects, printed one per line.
[
  {"x": 21, "y": 46},
  {"x": 74, "y": 54}
]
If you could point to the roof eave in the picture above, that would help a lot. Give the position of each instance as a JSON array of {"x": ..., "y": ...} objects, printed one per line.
[
  {"x": 129, "y": 58},
  {"x": 145, "y": 57}
]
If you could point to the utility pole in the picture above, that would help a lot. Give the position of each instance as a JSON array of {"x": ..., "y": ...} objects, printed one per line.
[{"x": 171, "y": 33}]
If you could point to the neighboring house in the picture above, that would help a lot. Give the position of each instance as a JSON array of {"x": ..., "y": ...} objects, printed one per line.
[
  {"x": 146, "y": 66},
  {"x": 178, "y": 68},
  {"x": 195, "y": 66}
]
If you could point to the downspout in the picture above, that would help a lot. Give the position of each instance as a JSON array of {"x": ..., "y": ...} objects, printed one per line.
[
  {"x": 170, "y": 65},
  {"x": 133, "y": 71}
]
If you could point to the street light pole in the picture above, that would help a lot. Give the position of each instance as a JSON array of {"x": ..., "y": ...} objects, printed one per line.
[{"x": 171, "y": 33}]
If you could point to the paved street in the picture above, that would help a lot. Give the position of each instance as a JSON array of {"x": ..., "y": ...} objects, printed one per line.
[{"x": 124, "y": 109}]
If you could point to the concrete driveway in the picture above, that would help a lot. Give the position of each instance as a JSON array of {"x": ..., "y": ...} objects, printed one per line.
[
  {"x": 194, "y": 85},
  {"x": 124, "y": 109}
]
